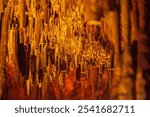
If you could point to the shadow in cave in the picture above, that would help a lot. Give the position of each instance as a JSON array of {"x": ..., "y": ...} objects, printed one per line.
[{"x": 134, "y": 53}]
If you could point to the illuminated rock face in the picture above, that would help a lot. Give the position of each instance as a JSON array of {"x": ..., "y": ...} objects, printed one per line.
[
  {"x": 70, "y": 49},
  {"x": 50, "y": 48}
]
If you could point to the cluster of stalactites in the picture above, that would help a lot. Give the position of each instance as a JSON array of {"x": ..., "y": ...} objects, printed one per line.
[{"x": 50, "y": 37}]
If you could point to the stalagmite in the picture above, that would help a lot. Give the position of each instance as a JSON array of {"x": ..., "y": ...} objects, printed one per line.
[{"x": 92, "y": 80}]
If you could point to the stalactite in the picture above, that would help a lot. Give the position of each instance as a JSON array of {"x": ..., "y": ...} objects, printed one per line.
[
  {"x": 134, "y": 21},
  {"x": 45, "y": 10},
  {"x": 3, "y": 48},
  {"x": 142, "y": 14},
  {"x": 111, "y": 29},
  {"x": 2, "y": 6},
  {"x": 126, "y": 91},
  {"x": 143, "y": 51},
  {"x": 22, "y": 5},
  {"x": 134, "y": 37},
  {"x": 15, "y": 53}
]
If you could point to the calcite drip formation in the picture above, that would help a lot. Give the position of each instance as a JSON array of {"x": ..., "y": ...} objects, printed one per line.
[{"x": 49, "y": 38}]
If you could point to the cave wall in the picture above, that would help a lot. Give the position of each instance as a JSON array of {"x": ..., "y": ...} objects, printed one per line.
[{"x": 69, "y": 49}]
